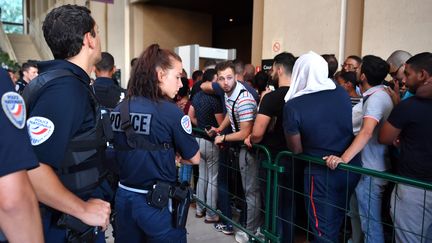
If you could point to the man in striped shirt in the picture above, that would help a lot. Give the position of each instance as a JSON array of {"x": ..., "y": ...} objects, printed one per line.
[{"x": 241, "y": 109}]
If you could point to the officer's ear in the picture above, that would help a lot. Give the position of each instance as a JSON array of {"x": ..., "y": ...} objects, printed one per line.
[{"x": 160, "y": 74}]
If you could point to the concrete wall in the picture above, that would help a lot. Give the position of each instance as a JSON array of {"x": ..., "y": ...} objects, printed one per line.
[
  {"x": 301, "y": 26},
  {"x": 114, "y": 31},
  {"x": 168, "y": 27},
  {"x": 390, "y": 25}
]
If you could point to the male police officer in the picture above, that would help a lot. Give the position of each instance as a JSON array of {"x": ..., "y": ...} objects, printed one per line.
[
  {"x": 64, "y": 125},
  {"x": 105, "y": 87},
  {"x": 19, "y": 212}
]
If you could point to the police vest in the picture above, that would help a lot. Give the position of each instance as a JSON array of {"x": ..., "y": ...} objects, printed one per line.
[
  {"x": 82, "y": 168},
  {"x": 107, "y": 95}
]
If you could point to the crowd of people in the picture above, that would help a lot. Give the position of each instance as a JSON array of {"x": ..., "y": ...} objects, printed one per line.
[{"x": 303, "y": 104}]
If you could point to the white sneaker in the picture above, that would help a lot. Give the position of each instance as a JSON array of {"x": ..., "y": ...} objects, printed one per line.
[
  {"x": 241, "y": 237},
  {"x": 259, "y": 234}
]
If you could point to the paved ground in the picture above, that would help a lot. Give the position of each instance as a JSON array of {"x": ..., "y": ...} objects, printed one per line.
[{"x": 198, "y": 231}]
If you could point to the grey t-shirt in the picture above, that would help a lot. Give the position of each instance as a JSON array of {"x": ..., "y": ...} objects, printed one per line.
[{"x": 377, "y": 105}]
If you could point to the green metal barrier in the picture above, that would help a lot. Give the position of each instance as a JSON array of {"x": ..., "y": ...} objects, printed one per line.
[{"x": 273, "y": 171}]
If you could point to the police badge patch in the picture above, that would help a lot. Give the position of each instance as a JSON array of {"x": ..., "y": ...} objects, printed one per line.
[
  {"x": 186, "y": 124},
  {"x": 14, "y": 107},
  {"x": 39, "y": 129}
]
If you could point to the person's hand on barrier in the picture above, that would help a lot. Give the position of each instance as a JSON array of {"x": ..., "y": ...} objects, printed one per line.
[
  {"x": 96, "y": 213},
  {"x": 211, "y": 131},
  {"x": 219, "y": 139},
  {"x": 248, "y": 142},
  {"x": 332, "y": 161}
]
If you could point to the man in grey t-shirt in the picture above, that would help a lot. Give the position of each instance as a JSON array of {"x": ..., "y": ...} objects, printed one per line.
[{"x": 377, "y": 106}]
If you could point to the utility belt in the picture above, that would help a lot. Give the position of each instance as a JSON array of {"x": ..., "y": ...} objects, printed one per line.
[{"x": 159, "y": 194}]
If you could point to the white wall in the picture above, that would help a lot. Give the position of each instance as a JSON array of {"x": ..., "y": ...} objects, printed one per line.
[
  {"x": 301, "y": 26},
  {"x": 390, "y": 25}
]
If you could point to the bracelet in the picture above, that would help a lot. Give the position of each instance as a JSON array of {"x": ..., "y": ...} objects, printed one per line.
[{"x": 223, "y": 139}]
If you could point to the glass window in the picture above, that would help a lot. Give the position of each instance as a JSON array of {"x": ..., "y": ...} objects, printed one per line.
[{"x": 12, "y": 16}]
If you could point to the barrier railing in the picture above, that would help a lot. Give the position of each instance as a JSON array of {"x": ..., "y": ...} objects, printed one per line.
[{"x": 271, "y": 227}]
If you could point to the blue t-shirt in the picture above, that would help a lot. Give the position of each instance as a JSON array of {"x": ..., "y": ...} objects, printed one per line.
[
  {"x": 62, "y": 110},
  {"x": 206, "y": 106},
  {"x": 158, "y": 122},
  {"x": 323, "y": 120},
  {"x": 15, "y": 150}
]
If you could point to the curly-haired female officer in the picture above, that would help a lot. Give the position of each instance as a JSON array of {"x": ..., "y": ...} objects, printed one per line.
[{"x": 149, "y": 130}]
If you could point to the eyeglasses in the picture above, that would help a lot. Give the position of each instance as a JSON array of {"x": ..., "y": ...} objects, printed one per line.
[{"x": 349, "y": 66}]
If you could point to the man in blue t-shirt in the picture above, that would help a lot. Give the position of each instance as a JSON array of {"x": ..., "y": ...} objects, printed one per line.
[{"x": 19, "y": 211}]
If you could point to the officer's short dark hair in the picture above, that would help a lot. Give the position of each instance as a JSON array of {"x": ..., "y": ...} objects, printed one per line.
[
  {"x": 375, "y": 69},
  {"x": 64, "y": 29},
  {"x": 332, "y": 64},
  {"x": 421, "y": 61},
  {"x": 286, "y": 60},
  {"x": 209, "y": 74},
  {"x": 106, "y": 63},
  {"x": 144, "y": 80}
]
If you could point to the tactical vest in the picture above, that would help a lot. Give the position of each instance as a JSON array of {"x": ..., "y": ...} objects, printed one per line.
[{"x": 82, "y": 167}]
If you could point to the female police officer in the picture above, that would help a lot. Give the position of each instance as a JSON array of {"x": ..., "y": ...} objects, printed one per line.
[{"x": 148, "y": 132}]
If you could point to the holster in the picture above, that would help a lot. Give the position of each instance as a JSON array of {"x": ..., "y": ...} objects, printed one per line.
[
  {"x": 182, "y": 197},
  {"x": 158, "y": 196},
  {"x": 77, "y": 231}
]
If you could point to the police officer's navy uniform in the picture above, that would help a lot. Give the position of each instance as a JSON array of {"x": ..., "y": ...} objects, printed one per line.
[
  {"x": 160, "y": 123},
  {"x": 20, "y": 85},
  {"x": 15, "y": 150},
  {"x": 107, "y": 92},
  {"x": 61, "y": 114}
]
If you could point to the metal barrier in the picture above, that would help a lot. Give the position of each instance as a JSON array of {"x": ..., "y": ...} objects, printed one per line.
[{"x": 274, "y": 221}]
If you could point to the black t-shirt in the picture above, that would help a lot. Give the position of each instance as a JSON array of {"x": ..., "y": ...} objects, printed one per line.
[
  {"x": 414, "y": 117},
  {"x": 272, "y": 106}
]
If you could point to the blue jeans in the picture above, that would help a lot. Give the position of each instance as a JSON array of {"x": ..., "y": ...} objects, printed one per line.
[
  {"x": 138, "y": 222},
  {"x": 223, "y": 199},
  {"x": 185, "y": 173},
  {"x": 327, "y": 194},
  {"x": 369, "y": 192}
]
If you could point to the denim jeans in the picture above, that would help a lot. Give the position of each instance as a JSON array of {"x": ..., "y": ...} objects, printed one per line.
[
  {"x": 369, "y": 192},
  {"x": 223, "y": 200},
  {"x": 185, "y": 173}
]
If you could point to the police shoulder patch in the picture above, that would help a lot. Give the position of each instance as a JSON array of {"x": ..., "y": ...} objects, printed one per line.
[
  {"x": 39, "y": 129},
  {"x": 14, "y": 107},
  {"x": 186, "y": 124}
]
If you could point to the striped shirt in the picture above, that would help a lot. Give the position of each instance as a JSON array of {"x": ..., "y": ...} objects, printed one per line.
[
  {"x": 245, "y": 108},
  {"x": 355, "y": 100}
]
